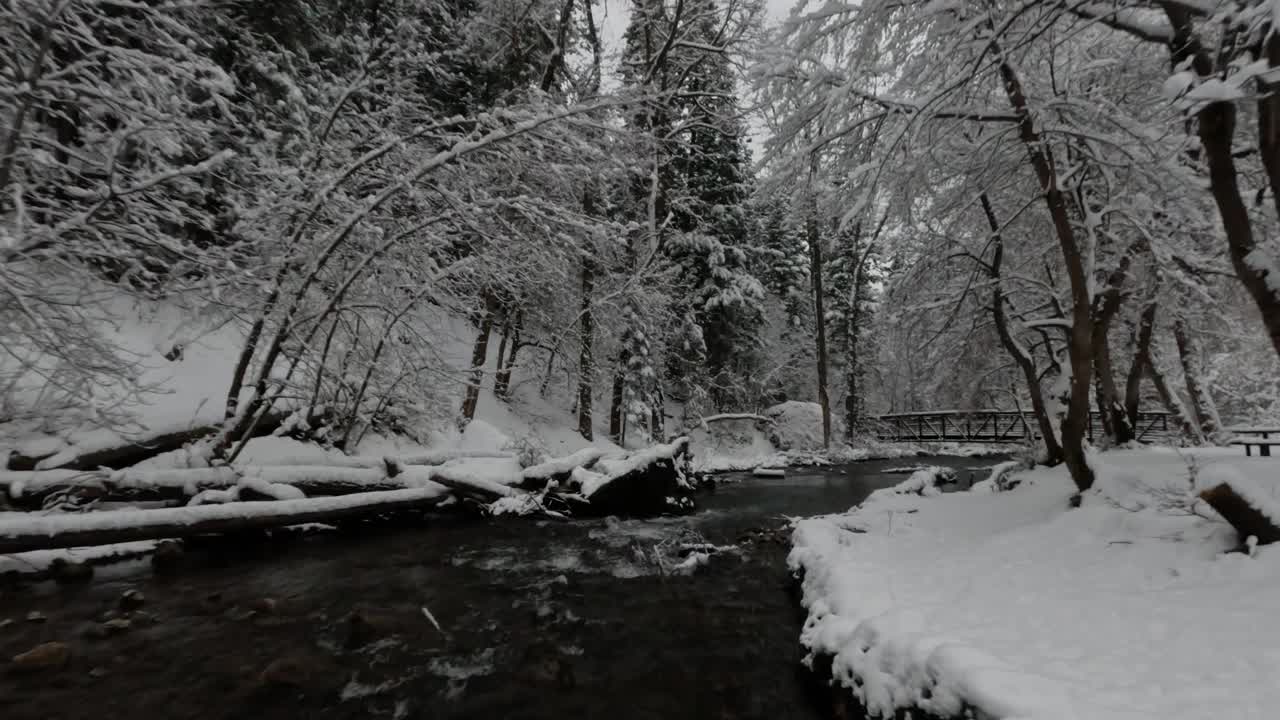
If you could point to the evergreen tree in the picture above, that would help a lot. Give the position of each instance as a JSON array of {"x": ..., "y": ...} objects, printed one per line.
[
  {"x": 703, "y": 182},
  {"x": 852, "y": 273}
]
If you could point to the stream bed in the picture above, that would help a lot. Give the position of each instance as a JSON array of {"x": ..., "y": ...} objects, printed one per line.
[{"x": 458, "y": 618}]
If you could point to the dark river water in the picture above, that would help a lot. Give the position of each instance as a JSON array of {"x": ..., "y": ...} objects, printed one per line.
[{"x": 537, "y": 619}]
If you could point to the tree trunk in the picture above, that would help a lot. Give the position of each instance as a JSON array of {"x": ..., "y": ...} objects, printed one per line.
[
  {"x": 815, "y": 275},
  {"x": 1141, "y": 359},
  {"x": 479, "y": 354},
  {"x": 585, "y": 361},
  {"x": 657, "y": 409},
  {"x": 502, "y": 347},
  {"x": 1169, "y": 398},
  {"x": 1216, "y": 123},
  {"x": 1023, "y": 359},
  {"x": 852, "y": 373},
  {"x": 616, "y": 416},
  {"x": 1080, "y": 351},
  {"x": 1114, "y": 420},
  {"x": 1206, "y": 411},
  {"x": 853, "y": 333},
  {"x": 502, "y": 382}
]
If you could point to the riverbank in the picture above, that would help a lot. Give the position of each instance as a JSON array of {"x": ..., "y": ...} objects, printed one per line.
[
  {"x": 1013, "y": 604},
  {"x": 536, "y": 619}
]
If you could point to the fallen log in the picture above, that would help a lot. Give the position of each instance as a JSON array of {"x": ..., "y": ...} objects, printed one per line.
[
  {"x": 45, "y": 532},
  {"x": 432, "y": 457},
  {"x": 726, "y": 417},
  {"x": 1246, "y": 510},
  {"x": 465, "y": 483},
  {"x": 29, "y": 489},
  {"x": 536, "y": 477},
  {"x": 133, "y": 451}
]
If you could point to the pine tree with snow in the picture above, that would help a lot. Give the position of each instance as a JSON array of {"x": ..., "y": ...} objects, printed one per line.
[{"x": 702, "y": 184}]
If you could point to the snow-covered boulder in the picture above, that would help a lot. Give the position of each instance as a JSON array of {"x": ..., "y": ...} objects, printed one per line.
[{"x": 798, "y": 426}]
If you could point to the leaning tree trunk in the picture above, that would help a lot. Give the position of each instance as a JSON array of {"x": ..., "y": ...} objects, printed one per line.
[
  {"x": 504, "y": 340},
  {"x": 1169, "y": 398},
  {"x": 1079, "y": 348},
  {"x": 1206, "y": 411},
  {"x": 502, "y": 381},
  {"x": 585, "y": 359},
  {"x": 1021, "y": 357},
  {"x": 1141, "y": 359},
  {"x": 1110, "y": 408},
  {"x": 1216, "y": 126},
  {"x": 479, "y": 353}
]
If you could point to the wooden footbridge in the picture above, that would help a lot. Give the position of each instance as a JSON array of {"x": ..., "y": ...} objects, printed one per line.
[{"x": 999, "y": 426}]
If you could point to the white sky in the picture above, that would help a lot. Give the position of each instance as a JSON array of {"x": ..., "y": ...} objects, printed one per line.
[{"x": 614, "y": 24}]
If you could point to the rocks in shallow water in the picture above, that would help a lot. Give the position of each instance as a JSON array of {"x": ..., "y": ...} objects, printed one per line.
[
  {"x": 35, "y": 616},
  {"x": 69, "y": 572},
  {"x": 5, "y": 623},
  {"x": 364, "y": 627},
  {"x": 116, "y": 626},
  {"x": 47, "y": 656},
  {"x": 167, "y": 558},
  {"x": 298, "y": 670},
  {"x": 131, "y": 600},
  {"x": 97, "y": 673},
  {"x": 263, "y": 606}
]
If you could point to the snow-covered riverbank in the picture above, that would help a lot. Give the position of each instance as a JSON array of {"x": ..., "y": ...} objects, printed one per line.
[{"x": 1015, "y": 605}]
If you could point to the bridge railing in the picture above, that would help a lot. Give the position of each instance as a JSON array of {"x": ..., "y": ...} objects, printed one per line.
[{"x": 998, "y": 426}]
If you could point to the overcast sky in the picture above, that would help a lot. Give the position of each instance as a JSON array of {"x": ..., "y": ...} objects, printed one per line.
[
  {"x": 614, "y": 23},
  {"x": 616, "y": 12}
]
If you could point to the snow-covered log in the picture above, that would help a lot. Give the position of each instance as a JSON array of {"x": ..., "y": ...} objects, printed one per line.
[
  {"x": 925, "y": 481},
  {"x": 431, "y": 457},
  {"x": 647, "y": 482},
  {"x": 123, "y": 455},
  {"x": 1249, "y": 509},
  {"x": 42, "y": 532},
  {"x": 726, "y": 417},
  {"x": 460, "y": 480},
  {"x": 132, "y": 451},
  {"x": 1001, "y": 477},
  {"x": 536, "y": 477},
  {"x": 30, "y": 488}
]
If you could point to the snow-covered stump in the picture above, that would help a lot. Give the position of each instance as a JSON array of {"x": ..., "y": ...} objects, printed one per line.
[
  {"x": 648, "y": 482},
  {"x": 45, "y": 532}
]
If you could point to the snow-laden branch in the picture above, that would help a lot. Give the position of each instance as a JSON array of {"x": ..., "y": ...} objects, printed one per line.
[{"x": 1142, "y": 23}]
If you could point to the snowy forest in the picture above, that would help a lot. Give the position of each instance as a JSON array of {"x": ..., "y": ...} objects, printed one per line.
[
  {"x": 269, "y": 264},
  {"x": 854, "y": 207}
]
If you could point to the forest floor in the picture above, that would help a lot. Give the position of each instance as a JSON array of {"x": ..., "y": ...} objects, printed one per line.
[{"x": 1017, "y": 605}]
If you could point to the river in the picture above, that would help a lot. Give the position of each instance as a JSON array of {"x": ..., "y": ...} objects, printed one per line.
[{"x": 536, "y": 619}]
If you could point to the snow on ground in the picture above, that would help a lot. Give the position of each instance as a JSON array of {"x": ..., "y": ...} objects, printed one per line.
[
  {"x": 1014, "y": 604},
  {"x": 182, "y": 358}
]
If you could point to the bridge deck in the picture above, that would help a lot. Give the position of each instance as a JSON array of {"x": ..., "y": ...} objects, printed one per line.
[{"x": 998, "y": 426}]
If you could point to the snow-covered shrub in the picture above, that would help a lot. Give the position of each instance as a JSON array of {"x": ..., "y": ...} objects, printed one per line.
[
  {"x": 1003, "y": 477},
  {"x": 528, "y": 449}
]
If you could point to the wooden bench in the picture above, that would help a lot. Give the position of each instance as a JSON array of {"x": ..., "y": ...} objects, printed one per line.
[{"x": 1263, "y": 442}]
